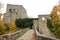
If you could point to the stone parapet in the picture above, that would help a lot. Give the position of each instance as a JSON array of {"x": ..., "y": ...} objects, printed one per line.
[
  {"x": 14, "y": 35},
  {"x": 43, "y": 37}
]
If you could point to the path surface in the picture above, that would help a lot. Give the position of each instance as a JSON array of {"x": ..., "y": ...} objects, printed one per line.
[{"x": 29, "y": 35}]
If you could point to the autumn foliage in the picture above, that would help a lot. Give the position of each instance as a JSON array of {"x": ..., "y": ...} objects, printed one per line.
[
  {"x": 7, "y": 28},
  {"x": 54, "y": 22},
  {"x": 10, "y": 28},
  {"x": 2, "y": 27}
]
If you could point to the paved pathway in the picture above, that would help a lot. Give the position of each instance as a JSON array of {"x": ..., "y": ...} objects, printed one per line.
[{"x": 29, "y": 35}]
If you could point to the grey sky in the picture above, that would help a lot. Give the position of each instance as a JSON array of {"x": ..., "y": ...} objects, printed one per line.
[{"x": 33, "y": 7}]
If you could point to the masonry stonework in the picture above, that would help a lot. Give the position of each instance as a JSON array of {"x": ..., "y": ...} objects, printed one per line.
[
  {"x": 18, "y": 11},
  {"x": 13, "y": 12},
  {"x": 43, "y": 29}
]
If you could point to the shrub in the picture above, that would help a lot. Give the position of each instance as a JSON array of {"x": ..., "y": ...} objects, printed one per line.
[
  {"x": 2, "y": 27},
  {"x": 54, "y": 23},
  {"x": 23, "y": 23},
  {"x": 49, "y": 25},
  {"x": 0, "y": 30},
  {"x": 10, "y": 27}
]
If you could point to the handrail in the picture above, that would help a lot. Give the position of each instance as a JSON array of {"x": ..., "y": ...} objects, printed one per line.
[{"x": 43, "y": 36}]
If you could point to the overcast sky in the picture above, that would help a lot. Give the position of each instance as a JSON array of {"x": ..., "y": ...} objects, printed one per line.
[{"x": 33, "y": 7}]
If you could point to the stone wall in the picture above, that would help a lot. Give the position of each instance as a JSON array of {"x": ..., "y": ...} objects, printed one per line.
[
  {"x": 43, "y": 29},
  {"x": 13, "y": 36},
  {"x": 35, "y": 23},
  {"x": 40, "y": 36},
  {"x": 13, "y": 12}
]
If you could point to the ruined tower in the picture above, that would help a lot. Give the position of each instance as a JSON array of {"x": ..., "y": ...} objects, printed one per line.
[{"x": 13, "y": 12}]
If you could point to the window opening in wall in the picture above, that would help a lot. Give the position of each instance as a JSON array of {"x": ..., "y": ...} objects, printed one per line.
[
  {"x": 15, "y": 10},
  {"x": 43, "y": 18},
  {"x": 10, "y": 10}
]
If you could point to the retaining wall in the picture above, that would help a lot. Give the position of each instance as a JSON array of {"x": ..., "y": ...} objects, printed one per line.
[{"x": 14, "y": 35}]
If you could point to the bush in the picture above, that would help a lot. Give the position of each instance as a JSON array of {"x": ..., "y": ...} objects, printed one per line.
[
  {"x": 0, "y": 30},
  {"x": 24, "y": 23},
  {"x": 10, "y": 27},
  {"x": 54, "y": 23},
  {"x": 49, "y": 25},
  {"x": 2, "y": 27}
]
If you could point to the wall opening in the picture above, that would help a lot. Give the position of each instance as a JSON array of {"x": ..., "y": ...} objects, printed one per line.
[
  {"x": 43, "y": 18},
  {"x": 10, "y": 10}
]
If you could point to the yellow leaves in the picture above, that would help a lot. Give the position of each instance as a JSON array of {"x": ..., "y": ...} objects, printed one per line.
[
  {"x": 55, "y": 21},
  {"x": 12, "y": 26},
  {"x": 6, "y": 28},
  {"x": 54, "y": 17},
  {"x": 58, "y": 29},
  {"x": 2, "y": 26},
  {"x": 56, "y": 8}
]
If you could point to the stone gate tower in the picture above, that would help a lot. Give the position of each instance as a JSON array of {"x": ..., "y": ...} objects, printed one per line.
[
  {"x": 43, "y": 29},
  {"x": 13, "y": 12}
]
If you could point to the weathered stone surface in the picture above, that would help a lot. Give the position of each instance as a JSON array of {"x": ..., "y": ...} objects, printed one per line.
[
  {"x": 13, "y": 12},
  {"x": 14, "y": 35},
  {"x": 35, "y": 23},
  {"x": 43, "y": 29}
]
